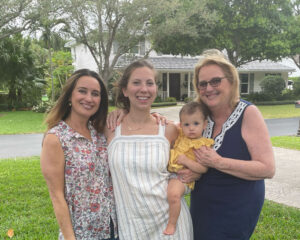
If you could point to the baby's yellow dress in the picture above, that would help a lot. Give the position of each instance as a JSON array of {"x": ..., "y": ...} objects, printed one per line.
[{"x": 184, "y": 145}]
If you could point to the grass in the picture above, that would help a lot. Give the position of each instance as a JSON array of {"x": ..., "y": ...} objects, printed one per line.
[
  {"x": 25, "y": 205},
  {"x": 21, "y": 122},
  {"x": 279, "y": 111},
  {"x": 31, "y": 122},
  {"x": 290, "y": 142},
  {"x": 26, "y": 208}
]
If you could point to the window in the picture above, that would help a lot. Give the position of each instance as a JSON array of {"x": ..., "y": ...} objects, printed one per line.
[
  {"x": 244, "y": 79},
  {"x": 273, "y": 74}
]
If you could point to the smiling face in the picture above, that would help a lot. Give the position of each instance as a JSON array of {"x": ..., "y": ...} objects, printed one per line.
[
  {"x": 192, "y": 125},
  {"x": 85, "y": 97},
  {"x": 141, "y": 89},
  {"x": 214, "y": 97}
]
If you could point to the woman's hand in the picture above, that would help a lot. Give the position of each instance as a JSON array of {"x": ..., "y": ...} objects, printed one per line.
[
  {"x": 114, "y": 118},
  {"x": 207, "y": 157},
  {"x": 187, "y": 175},
  {"x": 160, "y": 118}
]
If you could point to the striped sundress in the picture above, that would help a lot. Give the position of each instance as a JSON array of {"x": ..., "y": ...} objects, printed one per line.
[{"x": 138, "y": 165}]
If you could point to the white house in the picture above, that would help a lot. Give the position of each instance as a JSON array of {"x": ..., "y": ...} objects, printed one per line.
[{"x": 175, "y": 73}]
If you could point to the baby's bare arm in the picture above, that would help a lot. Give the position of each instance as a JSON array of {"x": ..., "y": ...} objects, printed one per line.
[{"x": 190, "y": 164}]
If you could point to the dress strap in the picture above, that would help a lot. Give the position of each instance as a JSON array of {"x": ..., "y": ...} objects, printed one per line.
[
  {"x": 118, "y": 131},
  {"x": 161, "y": 130}
]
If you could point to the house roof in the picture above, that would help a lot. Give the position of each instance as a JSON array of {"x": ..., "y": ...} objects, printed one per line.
[
  {"x": 188, "y": 64},
  {"x": 265, "y": 65}
]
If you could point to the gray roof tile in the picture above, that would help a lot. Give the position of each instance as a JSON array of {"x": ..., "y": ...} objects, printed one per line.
[{"x": 185, "y": 63}]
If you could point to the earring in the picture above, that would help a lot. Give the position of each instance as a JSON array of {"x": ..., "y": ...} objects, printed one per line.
[{"x": 70, "y": 104}]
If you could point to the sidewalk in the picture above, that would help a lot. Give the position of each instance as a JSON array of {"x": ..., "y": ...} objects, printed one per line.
[{"x": 284, "y": 187}]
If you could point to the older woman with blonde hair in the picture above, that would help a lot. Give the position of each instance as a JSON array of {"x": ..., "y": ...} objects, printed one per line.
[{"x": 227, "y": 200}]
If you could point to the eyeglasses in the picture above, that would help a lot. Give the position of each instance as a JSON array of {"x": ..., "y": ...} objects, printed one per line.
[{"x": 214, "y": 82}]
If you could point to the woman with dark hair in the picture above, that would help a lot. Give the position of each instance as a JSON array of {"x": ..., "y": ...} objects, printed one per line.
[
  {"x": 138, "y": 153},
  {"x": 74, "y": 160}
]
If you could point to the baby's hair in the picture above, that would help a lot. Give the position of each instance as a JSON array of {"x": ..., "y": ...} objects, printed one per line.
[{"x": 193, "y": 107}]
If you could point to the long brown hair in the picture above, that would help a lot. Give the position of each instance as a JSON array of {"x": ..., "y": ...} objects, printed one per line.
[{"x": 61, "y": 109}]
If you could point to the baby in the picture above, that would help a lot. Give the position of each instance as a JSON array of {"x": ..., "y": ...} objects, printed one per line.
[{"x": 192, "y": 123}]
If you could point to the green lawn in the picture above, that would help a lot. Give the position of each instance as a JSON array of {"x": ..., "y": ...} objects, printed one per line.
[
  {"x": 279, "y": 111},
  {"x": 21, "y": 122},
  {"x": 25, "y": 205},
  {"x": 289, "y": 142},
  {"x": 31, "y": 122},
  {"x": 26, "y": 208}
]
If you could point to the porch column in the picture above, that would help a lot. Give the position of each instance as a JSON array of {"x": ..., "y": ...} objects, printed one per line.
[
  {"x": 189, "y": 81},
  {"x": 168, "y": 84}
]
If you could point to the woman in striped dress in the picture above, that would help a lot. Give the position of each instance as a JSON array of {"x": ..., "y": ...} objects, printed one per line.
[{"x": 138, "y": 157}]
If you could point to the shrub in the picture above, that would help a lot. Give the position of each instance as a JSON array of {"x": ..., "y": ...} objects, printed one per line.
[
  {"x": 273, "y": 85},
  {"x": 42, "y": 107},
  {"x": 170, "y": 99},
  {"x": 258, "y": 97},
  {"x": 188, "y": 99},
  {"x": 158, "y": 99}
]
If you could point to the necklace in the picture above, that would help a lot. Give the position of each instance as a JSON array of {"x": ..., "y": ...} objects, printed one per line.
[
  {"x": 133, "y": 129},
  {"x": 129, "y": 128}
]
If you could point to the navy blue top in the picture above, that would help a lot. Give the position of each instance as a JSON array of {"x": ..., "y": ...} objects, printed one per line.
[{"x": 225, "y": 207}]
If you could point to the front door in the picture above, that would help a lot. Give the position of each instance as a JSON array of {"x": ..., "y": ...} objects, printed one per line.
[{"x": 174, "y": 81}]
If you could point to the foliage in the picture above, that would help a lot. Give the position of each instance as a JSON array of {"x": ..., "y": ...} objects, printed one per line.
[
  {"x": 272, "y": 85},
  {"x": 19, "y": 73},
  {"x": 188, "y": 99},
  {"x": 255, "y": 97},
  {"x": 158, "y": 99},
  {"x": 296, "y": 87},
  {"x": 163, "y": 104},
  {"x": 251, "y": 30},
  {"x": 43, "y": 107},
  {"x": 62, "y": 69},
  {"x": 16, "y": 16},
  {"x": 246, "y": 29},
  {"x": 293, "y": 33},
  {"x": 184, "y": 30},
  {"x": 170, "y": 99},
  {"x": 112, "y": 30}
]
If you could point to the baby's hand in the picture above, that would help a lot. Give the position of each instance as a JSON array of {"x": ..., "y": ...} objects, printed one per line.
[{"x": 181, "y": 159}]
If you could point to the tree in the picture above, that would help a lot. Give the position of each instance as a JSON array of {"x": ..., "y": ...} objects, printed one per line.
[
  {"x": 251, "y": 30},
  {"x": 18, "y": 71},
  {"x": 293, "y": 34},
  {"x": 62, "y": 69},
  {"x": 112, "y": 28},
  {"x": 16, "y": 16},
  {"x": 186, "y": 32}
]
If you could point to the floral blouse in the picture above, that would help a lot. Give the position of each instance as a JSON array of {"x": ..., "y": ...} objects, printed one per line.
[{"x": 88, "y": 185}]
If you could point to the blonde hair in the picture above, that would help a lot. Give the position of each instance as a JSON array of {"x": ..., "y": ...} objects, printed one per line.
[
  {"x": 62, "y": 109},
  {"x": 215, "y": 57}
]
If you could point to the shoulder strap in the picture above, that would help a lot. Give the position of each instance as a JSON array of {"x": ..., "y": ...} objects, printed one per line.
[
  {"x": 161, "y": 130},
  {"x": 118, "y": 131}
]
